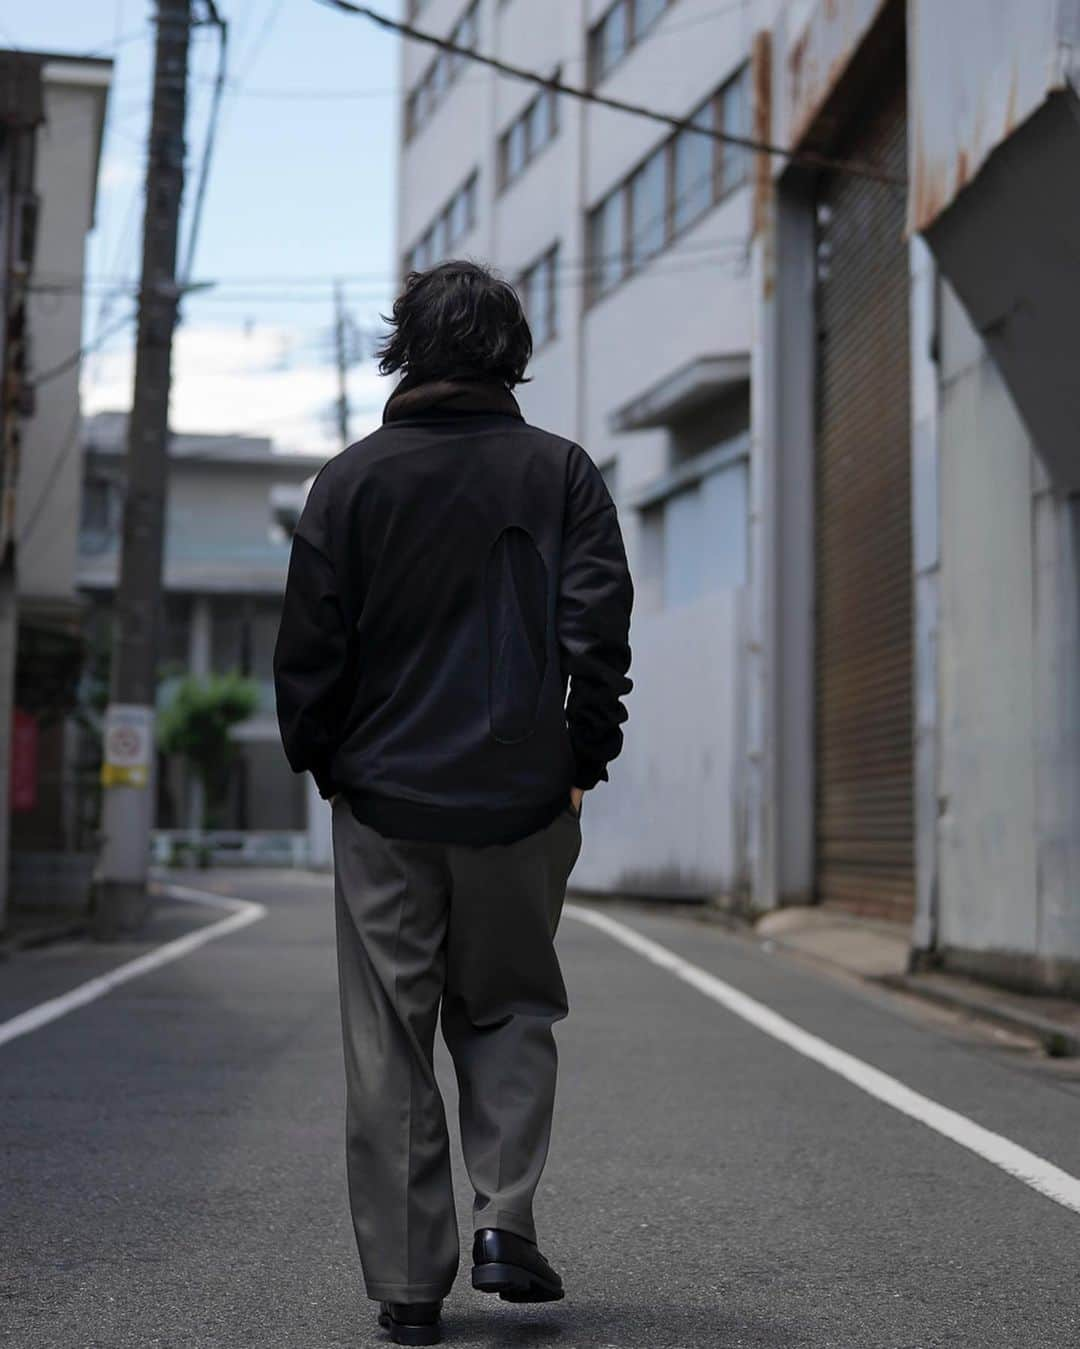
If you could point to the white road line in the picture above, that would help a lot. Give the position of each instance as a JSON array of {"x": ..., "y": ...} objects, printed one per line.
[
  {"x": 1026, "y": 1166},
  {"x": 241, "y": 913}
]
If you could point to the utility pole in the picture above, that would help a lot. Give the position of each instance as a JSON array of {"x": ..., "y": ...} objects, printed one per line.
[
  {"x": 340, "y": 336},
  {"x": 128, "y": 768},
  {"x": 21, "y": 88}
]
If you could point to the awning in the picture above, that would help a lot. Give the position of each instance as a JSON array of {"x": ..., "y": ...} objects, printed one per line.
[{"x": 704, "y": 381}]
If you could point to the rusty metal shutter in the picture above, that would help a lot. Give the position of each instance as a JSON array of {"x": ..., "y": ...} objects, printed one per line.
[{"x": 864, "y": 646}]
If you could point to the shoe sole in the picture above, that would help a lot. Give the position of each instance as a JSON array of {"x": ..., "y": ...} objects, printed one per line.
[
  {"x": 514, "y": 1284},
  {"x": 400, "y": 1333}
]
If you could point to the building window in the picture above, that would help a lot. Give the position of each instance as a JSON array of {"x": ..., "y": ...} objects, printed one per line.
[
  {"x": 733, "y": 111},
  {"x": 98, "y": 526},
  {"x": 538, "y": 289},
  {"x": 669, "y": 191},
  {"x": 623, "y": 26},
  {"x": 609, "y": 41},
  {"x": 527, "y": 135},
  {"x": 694, "y": 161},
  {"x": 648, "y": 208},
  {"x": 607, "y": 245},
  {"x": 694, "y": 540},
  {"x": 447, "y": 230},
  {"x": 426, "y": 95}
]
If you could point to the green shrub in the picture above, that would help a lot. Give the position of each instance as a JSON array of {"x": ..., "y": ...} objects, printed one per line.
[{"x": 195, "y": 725}]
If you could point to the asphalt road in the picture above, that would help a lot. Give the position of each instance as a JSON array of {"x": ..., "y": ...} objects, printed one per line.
[{"x": 173, "y": 1174}]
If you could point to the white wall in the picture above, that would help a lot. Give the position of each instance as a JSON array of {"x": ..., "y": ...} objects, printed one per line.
[
  {"x": 51, "y": 468},
  {"x": 1010, "y": 653},
  {"x": 670, "y": 821},
  {"x": 987, "y": 682},
  {"x": 667, "y": 819}
]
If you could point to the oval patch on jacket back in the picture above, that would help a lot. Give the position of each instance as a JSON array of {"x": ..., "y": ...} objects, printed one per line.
[{"x": 516, "y": 597}]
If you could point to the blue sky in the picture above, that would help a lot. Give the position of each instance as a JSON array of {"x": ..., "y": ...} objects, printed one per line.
[{"x": 302, "y": 190}]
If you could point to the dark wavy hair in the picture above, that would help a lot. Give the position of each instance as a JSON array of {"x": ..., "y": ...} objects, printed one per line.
[{"x": 459, "y": 318}]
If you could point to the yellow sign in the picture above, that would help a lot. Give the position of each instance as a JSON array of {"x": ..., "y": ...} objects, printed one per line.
[{"x": 128, "y": 745}]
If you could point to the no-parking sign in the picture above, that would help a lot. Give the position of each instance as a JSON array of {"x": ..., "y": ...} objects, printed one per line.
[{"x": 129, "y": 741}]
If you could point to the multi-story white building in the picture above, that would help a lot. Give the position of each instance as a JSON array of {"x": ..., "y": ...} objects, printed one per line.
[
  {"x": 842, "y": 452},
  {"x": 224, "y": 575},
  {"x": 630, "y": 245},
  {"x": 51, "y": 129}
]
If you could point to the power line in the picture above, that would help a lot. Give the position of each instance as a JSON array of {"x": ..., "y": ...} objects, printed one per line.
[
  {"x": 285, "y": 290},
  {"x": 394, "y": 91},
  {"x": 127, "y": 224},
  {"x": 255, "y": 50},
  {"x": 211, "y": 134},
  {"x": 855, "y": 168},
  {"x": 60, "y": 458},
  {"x": 113, "y": 283},
  {"x": 61, "y": 367}
]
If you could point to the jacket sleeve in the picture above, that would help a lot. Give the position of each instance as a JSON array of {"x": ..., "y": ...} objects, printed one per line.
[
  {"x": 596, "y": 596},
  {"x": 311, "y": 657}
]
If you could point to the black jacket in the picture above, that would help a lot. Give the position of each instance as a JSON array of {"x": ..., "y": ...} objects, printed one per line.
[{"x": 449, "y": 574}]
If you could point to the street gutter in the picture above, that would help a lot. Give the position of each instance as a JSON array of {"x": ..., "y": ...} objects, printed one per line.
[{"x": 876, "y": 952}]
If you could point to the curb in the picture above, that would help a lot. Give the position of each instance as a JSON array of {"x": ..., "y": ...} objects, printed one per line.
[
  {"x": 43, "y": 936},
  {"x": 1059, "y": 1041}
]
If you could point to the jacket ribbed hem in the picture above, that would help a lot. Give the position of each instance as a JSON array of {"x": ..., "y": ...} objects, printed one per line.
[{"x": 472, "y": 826}]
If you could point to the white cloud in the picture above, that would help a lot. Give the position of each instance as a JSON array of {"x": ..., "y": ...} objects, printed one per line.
[
  {"x": 118, "y": 171},
  {"x": 244, "y": 379}
]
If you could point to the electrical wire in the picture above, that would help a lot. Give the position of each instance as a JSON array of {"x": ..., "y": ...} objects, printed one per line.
[
  {"x": 380, "y": 280},
  {"x": 395, "y": 90},
  {"x": 60, "y": 458},
  {"x": 255, "y": 50},
  {"x": 702, "y": 256},
  {"x": 855, "y": 168},
  {"x": 370, "y": 283},
  {"x": 61, "y": 367},
  {"x": 211, "y": 134}
]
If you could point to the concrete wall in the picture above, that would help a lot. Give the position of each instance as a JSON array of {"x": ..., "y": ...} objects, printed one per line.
[
  {"x": 668, "y": 819},
  {"x": 671, "y": 821},
  {"x": 50, "y": 470},
  {"x": 1009, "y": 725}
]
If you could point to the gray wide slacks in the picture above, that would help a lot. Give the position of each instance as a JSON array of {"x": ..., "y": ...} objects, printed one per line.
[{"x": 472, "y": 928}]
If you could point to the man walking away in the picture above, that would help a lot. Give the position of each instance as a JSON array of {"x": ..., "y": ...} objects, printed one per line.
[{"x": 450, "y": 575}]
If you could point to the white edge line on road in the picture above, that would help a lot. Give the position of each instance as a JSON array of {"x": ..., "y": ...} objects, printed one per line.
[
  {"x": 241, "y": 913},
  {"x": 1041, "y": 1175}
]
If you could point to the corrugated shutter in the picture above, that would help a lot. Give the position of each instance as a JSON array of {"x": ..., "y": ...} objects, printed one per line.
[{"x": 864, "y": 648}]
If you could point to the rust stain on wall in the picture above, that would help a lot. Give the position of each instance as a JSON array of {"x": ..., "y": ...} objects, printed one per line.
[
  {"x": 761, "y": 72},
  {"x": 819, "y": 57}
]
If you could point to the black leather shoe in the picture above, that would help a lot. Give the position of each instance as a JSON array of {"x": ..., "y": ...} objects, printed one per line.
[
  {"x": 412, "y": 1322},
  {"x": 507, "y": 1264}
]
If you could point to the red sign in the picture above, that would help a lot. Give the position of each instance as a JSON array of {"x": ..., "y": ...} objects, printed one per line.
[{"x": 24, "y": 761}]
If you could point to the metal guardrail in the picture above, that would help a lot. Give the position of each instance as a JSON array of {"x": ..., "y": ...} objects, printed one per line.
[{"x": 219, "y": 847}]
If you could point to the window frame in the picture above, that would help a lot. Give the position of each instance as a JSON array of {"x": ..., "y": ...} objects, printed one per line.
[
  {"x": 636, "y": 33},
  {"x": 719, "y": 191},
  {"x": 547, "y": 264},
  {"x": 424, "y": 90},
  {"x": 465, "y": 195},
  {"x": 653, "y": 500},
  {"x": 523, "y": 125}
]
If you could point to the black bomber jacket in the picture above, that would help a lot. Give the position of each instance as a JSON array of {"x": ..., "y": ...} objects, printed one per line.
[{"x": 451, "y": 575}]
